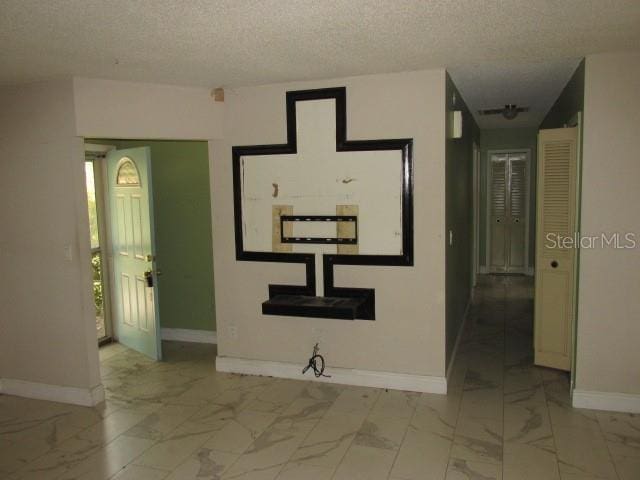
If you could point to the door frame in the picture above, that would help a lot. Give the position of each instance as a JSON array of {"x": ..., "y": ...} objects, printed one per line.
[
  {"x": 104, "y": 233},
  {"x": 475, "y": 266},
  {"x": 487, "y": 246},
  {"x": 577, "y": 121}
]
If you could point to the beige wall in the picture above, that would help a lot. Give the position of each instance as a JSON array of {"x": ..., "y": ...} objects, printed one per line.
[
  {"x": 47, "y": 320},
  {"x": 608, "y": 357},
  {"x": 408, "y": 333},
  {"x": 47, "y": 323},
  {"x": 117, "y": 109},
  {"x": 459, "y": 217}
]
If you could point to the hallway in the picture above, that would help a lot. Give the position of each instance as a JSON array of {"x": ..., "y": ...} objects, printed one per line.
[
  {"x": 180, "y": 420},
  {"x": 518, "y": 415}
]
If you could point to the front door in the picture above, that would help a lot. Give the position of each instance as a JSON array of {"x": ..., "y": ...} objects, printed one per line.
[
  {"x": 131, "y": 210},
  {"x": 508, "y": 195}
]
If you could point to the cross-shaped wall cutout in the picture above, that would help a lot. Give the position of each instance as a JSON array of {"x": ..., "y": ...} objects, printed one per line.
[{"x": 318, "y": 172}]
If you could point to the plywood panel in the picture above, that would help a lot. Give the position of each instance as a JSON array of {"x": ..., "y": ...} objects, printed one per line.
[
  {"x": 276, "y": 212},
  {"x": 347, "y": 229}
]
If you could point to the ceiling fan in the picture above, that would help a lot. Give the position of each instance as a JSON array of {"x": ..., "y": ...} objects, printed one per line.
[{"x": 509, "y": 111}]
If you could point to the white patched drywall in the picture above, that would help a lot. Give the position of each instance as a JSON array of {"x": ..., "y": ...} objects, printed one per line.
[
  {"x": 317, "y": 179},
  {"x": 408, "y": 333}
]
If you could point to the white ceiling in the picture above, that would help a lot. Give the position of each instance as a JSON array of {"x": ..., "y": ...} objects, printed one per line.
[{"x": 243, "y": 42}]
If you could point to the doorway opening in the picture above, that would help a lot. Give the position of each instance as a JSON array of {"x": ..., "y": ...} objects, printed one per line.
[
  {"x": 152, "y": 255},
  {"x": 97, "y": 232}
]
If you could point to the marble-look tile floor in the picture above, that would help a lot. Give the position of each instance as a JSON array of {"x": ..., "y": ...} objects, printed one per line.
[{"x": 180, "y": 420}]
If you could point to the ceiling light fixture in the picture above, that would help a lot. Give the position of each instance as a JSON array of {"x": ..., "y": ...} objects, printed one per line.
[{"x": 509, "y": 111}]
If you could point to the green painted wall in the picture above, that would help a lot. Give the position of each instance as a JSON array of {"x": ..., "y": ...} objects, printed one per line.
[
  {"x": 182, "y": 214},
  {"x": 506, "y": 139},
  {"x": 570, "y": 101},
  {"x": 458, "y": 217}
]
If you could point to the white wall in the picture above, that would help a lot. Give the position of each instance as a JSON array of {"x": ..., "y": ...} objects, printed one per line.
[
  {"x": 408, "y": 333},
  {"x": 47, "y": 324},
  {"x": 117, "y": 109},
  {"x": 608, "y": 353}
]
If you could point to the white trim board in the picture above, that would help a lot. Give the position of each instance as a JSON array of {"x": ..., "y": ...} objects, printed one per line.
[
  {"x": 344, "y": 376},
  {"x": 87, "y": 397},
  {"x": 187, "y": 335},
  {"x": 616, "y": 402}
]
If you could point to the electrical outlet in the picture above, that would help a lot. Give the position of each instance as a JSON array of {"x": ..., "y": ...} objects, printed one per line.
[{"x": 233, "y": 332}]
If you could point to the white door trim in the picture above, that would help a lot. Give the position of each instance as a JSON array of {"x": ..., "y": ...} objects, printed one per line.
[
  {"x": 476, "y": 214},
  {"x": 487, "y": 245},
  {"x": 104, "y": 232}
]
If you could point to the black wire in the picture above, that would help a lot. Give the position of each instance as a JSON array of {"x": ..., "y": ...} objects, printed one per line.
[{"x": 318, "y": 370}]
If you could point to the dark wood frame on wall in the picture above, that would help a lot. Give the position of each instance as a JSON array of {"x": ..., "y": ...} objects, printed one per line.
[{"x": 366, "y": 296}]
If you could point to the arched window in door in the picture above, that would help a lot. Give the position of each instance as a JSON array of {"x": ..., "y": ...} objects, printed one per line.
[{"x": 127, "y": 175}]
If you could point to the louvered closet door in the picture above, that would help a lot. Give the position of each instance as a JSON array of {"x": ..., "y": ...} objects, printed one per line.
[
  {"x": 555, "y": 264},
  {"x": 498, "y": 182},
  {"x": 508, "y": 204},
  {"x": 517, "y": 221}
]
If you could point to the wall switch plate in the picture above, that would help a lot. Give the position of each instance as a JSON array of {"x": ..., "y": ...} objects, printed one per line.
[
  {"x": 450, "y": 238},
  {"x": 68, "y": 253}
]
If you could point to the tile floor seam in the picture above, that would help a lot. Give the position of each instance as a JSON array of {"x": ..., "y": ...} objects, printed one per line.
[
  {"x": 504, "y": 369},
  {"x": 404, "y": 436},
  {"x": 337, "y": 467},
  {"x": 458, "y": 413},
  {"x": 271, "y": 424},
  {"x": 606, "y": 442},
  {"x": 553, "y": 435}
]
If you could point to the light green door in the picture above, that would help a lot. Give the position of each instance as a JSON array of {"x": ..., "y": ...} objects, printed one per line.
[{"x": 131, "y": 210}]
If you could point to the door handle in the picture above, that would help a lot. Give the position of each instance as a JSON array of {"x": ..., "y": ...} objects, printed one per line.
[
  {"x": 516, "y": 220},
  {"x": 148, "y": 278},
  {"x": 554, "y": 264}
]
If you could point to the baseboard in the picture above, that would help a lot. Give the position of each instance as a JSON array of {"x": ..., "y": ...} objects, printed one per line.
[
  {"x": 87, "y": 397},
  {"x": 459, "y": 337},
  {"x": 344, "y": 376},
  {"x": 617, "y": 402},
  {"x": 187, "y": 335}
]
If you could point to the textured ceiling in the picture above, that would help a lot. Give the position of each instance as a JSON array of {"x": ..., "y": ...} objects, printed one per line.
[
  {"x": 494, "y": 84},
  {"x": 243, "y": 42}
]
